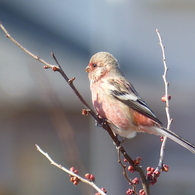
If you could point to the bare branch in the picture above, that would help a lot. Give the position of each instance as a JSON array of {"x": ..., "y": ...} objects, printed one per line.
[
  {"x": 23, "y": 48},
  {"x": 169, "y": 120},
  {"x": 92, "y": 184},
  {"x": 125, "y": 172}
]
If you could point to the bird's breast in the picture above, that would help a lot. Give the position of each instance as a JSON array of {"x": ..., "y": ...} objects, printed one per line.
[{"x": 110, "y": 108}]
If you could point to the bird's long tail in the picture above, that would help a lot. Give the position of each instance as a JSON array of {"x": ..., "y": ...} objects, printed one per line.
[{"x": 171, "y": 135}]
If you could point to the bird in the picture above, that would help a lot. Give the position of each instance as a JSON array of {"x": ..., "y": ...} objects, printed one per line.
[{"x": 117, "y": 101}]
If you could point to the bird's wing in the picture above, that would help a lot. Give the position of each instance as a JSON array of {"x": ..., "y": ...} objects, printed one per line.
[{"x": 126, "y": 93}]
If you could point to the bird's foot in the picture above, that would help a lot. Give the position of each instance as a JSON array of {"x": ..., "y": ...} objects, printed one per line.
[{"x": 100, "y": 122}]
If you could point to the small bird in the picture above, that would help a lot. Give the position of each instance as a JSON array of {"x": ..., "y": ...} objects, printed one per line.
[{"x": 116, "y": 100}]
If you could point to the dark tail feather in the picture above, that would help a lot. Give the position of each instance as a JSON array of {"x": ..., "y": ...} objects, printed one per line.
[{"x": 171, "y": 135}]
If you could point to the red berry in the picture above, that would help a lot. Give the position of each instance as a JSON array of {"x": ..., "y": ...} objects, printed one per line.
[
  {"x": 104, "y": 190},
  {"x": 148, "y": 169},
  {"x": 165, "y": 168},
  {"x": 156, "y": 173},
  {"x": 85, "y": 112},
  {"x": 131, "y": 169},
  {"x": 142, "y": 192},
  {"x": 92, "y": 178},
  {"x": 87, "y": 175},
  {"x": 75, "y": 182},
  {"x": 130, "y": 191},
  {"x": 72, "y": 169},
  {"x": 71, "y": 179},
  {"x": 55, "y": 68},
  {"x": 45, "y": 67},
  {"x": 135, "y": 181},
  {"x": 152, "y": 169},
  {"x": 76, "y": 171},
  {"x": 137, "y": 160},
  {"x": 154, "y": 180},
  {"x": 164, "y": 99}
]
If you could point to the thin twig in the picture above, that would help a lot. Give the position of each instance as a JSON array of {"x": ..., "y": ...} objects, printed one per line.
[
  {"x": 23, "y": 48},
  {"x": 169, "y": 121},
  {"x": 58, "y": 68},
  {"x": 92, "y": 184},
  {"x": 124, "y": 167}
]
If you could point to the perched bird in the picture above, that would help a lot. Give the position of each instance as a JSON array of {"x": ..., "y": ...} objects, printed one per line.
[{"x": 117, "y": 101}]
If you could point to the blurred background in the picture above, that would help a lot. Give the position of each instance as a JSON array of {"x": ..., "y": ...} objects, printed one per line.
[{"x": 38, "y": 107}]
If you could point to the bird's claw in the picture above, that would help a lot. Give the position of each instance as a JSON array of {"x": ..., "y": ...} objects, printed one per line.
[{"x": 100, "y": 123}]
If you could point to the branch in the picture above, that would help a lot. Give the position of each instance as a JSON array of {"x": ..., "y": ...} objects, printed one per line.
[
  {"x": 23, "y": 48},
  {"x": 125, "y": 173},
  {"x": 145, "y": 183},
  {"x": 166, "y": 100},
  {"x": 69, "y": 172}
]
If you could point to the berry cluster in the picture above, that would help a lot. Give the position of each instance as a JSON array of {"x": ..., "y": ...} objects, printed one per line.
[
  {"x": 142, "y": 192},
  {"x": 90, "y": 177},
  {"x": 136, "y": 162},
  {"x": 131, "y": 191},
  {"x": 152, "y": 175},
  {"x": 75, "y": 180},
  {"x": 135, "y": 181}
]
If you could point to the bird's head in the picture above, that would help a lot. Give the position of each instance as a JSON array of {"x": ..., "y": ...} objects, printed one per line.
[{"x": 100, "y": 64}]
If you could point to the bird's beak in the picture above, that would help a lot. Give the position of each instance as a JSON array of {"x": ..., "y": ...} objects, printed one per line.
[{"x": 87, "y": 69}]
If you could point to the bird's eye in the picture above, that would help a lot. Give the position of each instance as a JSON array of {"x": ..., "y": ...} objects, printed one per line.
[{"x": 94, "y": 65}]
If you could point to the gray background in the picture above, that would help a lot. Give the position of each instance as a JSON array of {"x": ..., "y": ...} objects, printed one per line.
[{"x": 38, "y": 107}]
